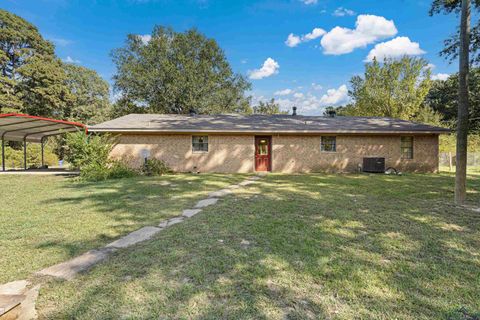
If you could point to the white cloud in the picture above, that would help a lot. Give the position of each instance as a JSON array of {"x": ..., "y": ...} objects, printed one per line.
[
  {"x": 335, "y": 97},
  {"x": 311, "y": 104},
  {"x": 243, "y": 61},
  {"x": 342, "y": 12},
  {"x": 440, "y": 76},
  {"x": 430, "y": 66},
  {"x": 368, "y": 29},
  {"x": 308, "y": 2},
  {"x": 269, "y": 68},
  {"x": 316, "y": 86},
  {"x": 395, "y": 48},
  {"x": 145, "y": 38},
  {"x": 316, "y": 33},
  {"x": 292, "y": 40},
  {"x": 284, "y": 92},
  {"x": 69, "y": 59}
]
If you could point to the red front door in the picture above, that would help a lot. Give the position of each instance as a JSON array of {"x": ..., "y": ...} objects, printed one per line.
[{"x": 263, "y": 150}]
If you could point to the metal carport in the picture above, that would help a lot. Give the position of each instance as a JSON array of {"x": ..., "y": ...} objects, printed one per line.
[{"x": 26, "y": 128}]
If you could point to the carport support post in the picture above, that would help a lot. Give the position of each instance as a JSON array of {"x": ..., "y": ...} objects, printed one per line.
[
  {"x": 43, "y": 162},
  {"x": 3, "y": 153},
  {"x": 25, "y": 153}
]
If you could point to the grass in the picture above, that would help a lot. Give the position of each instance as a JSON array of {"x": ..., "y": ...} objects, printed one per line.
[
  {"x": 297, "y": 247},
  {"x": 48, "y": 219}
]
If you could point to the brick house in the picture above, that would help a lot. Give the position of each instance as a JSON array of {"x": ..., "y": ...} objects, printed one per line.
[{"x": 277, "y": 143}]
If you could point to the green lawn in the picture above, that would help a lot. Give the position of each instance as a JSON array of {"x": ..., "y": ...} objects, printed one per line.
[
  {"x": 295, "y": 247},
  {"x": 47, "y": 219}
]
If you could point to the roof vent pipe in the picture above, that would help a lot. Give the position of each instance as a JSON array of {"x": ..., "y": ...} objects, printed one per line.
[{"x": 294, "y": 112}]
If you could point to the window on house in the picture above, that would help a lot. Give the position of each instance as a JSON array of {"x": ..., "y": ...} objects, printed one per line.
[
  {"x": 329, "y": 144},
  {"x": 200, "y": 143},
  {"x": 407, "y": 147}
]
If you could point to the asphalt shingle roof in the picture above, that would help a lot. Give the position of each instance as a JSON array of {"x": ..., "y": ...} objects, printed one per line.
[{"x": 236, "y": 123}]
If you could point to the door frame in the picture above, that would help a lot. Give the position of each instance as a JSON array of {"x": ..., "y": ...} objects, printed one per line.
[{"x": 269, "y": 164}]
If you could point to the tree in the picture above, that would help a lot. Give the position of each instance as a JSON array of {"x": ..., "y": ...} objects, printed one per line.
[
  {"x": 31, "y": 77},
  {"x": 269, "y": 107},
  {"x": 91, "y": 92},
  {"x": 177, "y": 73},
  {"x": 443, "y": 98},
  {"x": 42, "y": 87},
  {"x": 451, "y": 50},
  {"x": 124, "y": 106},
  {"x": 460, "y": 46},
  {"x": 396, "y": 89}
]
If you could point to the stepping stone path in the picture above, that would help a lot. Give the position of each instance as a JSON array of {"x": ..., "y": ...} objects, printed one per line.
[
  {"x": 206, "y": 202},
  {"x": 69, "y": 269},
  {"x": 18, "y": 297},
  {"x": 17, "y": 300},
  {"x": 140, "y": 235},
  {"x": 190, "y": 212}
]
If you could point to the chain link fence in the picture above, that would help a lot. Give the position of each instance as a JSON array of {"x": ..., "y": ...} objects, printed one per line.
[{"x": 447, "y": 160}]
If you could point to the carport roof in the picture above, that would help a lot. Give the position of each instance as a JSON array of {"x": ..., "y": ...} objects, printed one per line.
[{"x": 20, "y": 127}]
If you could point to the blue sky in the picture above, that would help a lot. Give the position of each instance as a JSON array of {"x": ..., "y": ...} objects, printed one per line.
[{"x": 328, "y": 44}]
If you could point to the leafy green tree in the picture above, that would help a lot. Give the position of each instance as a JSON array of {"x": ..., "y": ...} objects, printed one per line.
[
  {"x": 124, "y": 106},
  {"x": 42, "y": 87},
  {"x": 451, "y": 48},
  {"x": 31, "y": 78},
  {"x": 394, "y": 88},
  {"x": 443, "y": 98},
  {"x": 269, "y": 107},
  {"x": 91, "y": 92},
  {"x": 178, "y": 73}
]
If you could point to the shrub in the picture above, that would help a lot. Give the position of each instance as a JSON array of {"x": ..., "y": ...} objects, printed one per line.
[
  {"x": 94, "y": 172},
  {"x": 91, "y": 154},
  {"x": 114, "y": 170},
  {"x": 119, "y": 169},
  {"x": 82, "y": 150},
  {"x": 155, "y": 167}
]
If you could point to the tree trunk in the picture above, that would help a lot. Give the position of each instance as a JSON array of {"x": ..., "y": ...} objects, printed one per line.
[{"x": 462, "y": 122}]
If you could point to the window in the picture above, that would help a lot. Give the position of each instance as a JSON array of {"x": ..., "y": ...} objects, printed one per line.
[
  {"x": 329, "y": 144},
  {"x": 262, "y": 147},
  {"x": 407, "y": 147},
  {"x": 200, "y": 143}
]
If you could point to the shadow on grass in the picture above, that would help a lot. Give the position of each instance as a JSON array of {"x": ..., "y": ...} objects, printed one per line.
[{"x": 297, "y": 247}]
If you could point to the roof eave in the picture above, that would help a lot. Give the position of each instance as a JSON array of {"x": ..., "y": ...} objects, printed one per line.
[{"x": 143, "y": 130}]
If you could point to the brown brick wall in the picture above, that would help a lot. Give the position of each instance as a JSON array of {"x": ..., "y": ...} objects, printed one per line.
[
  {"x": 226, "y": 153},
  {"x": 302, "y": 154},
  {"x": 235, "y": 153}
]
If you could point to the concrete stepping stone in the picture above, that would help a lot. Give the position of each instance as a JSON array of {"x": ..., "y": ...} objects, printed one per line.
[
  {"x": 173, "y": 221},
  {"x": 247, "y": 183},
  {"x": 190, "y": 212},
  {"x": 28, "y": 310},
  {"x": 220, "y": 193},
  {"x": 17, "y": 301},
  {"x": 137, "y": 236},
  {"x": 69, "y": 269},
  {"x": 14, "y": 287},
  {"x": 206, "y": 202},
  {"x": 10, "y": 306},
  {"x": 163, "y": 224}
]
